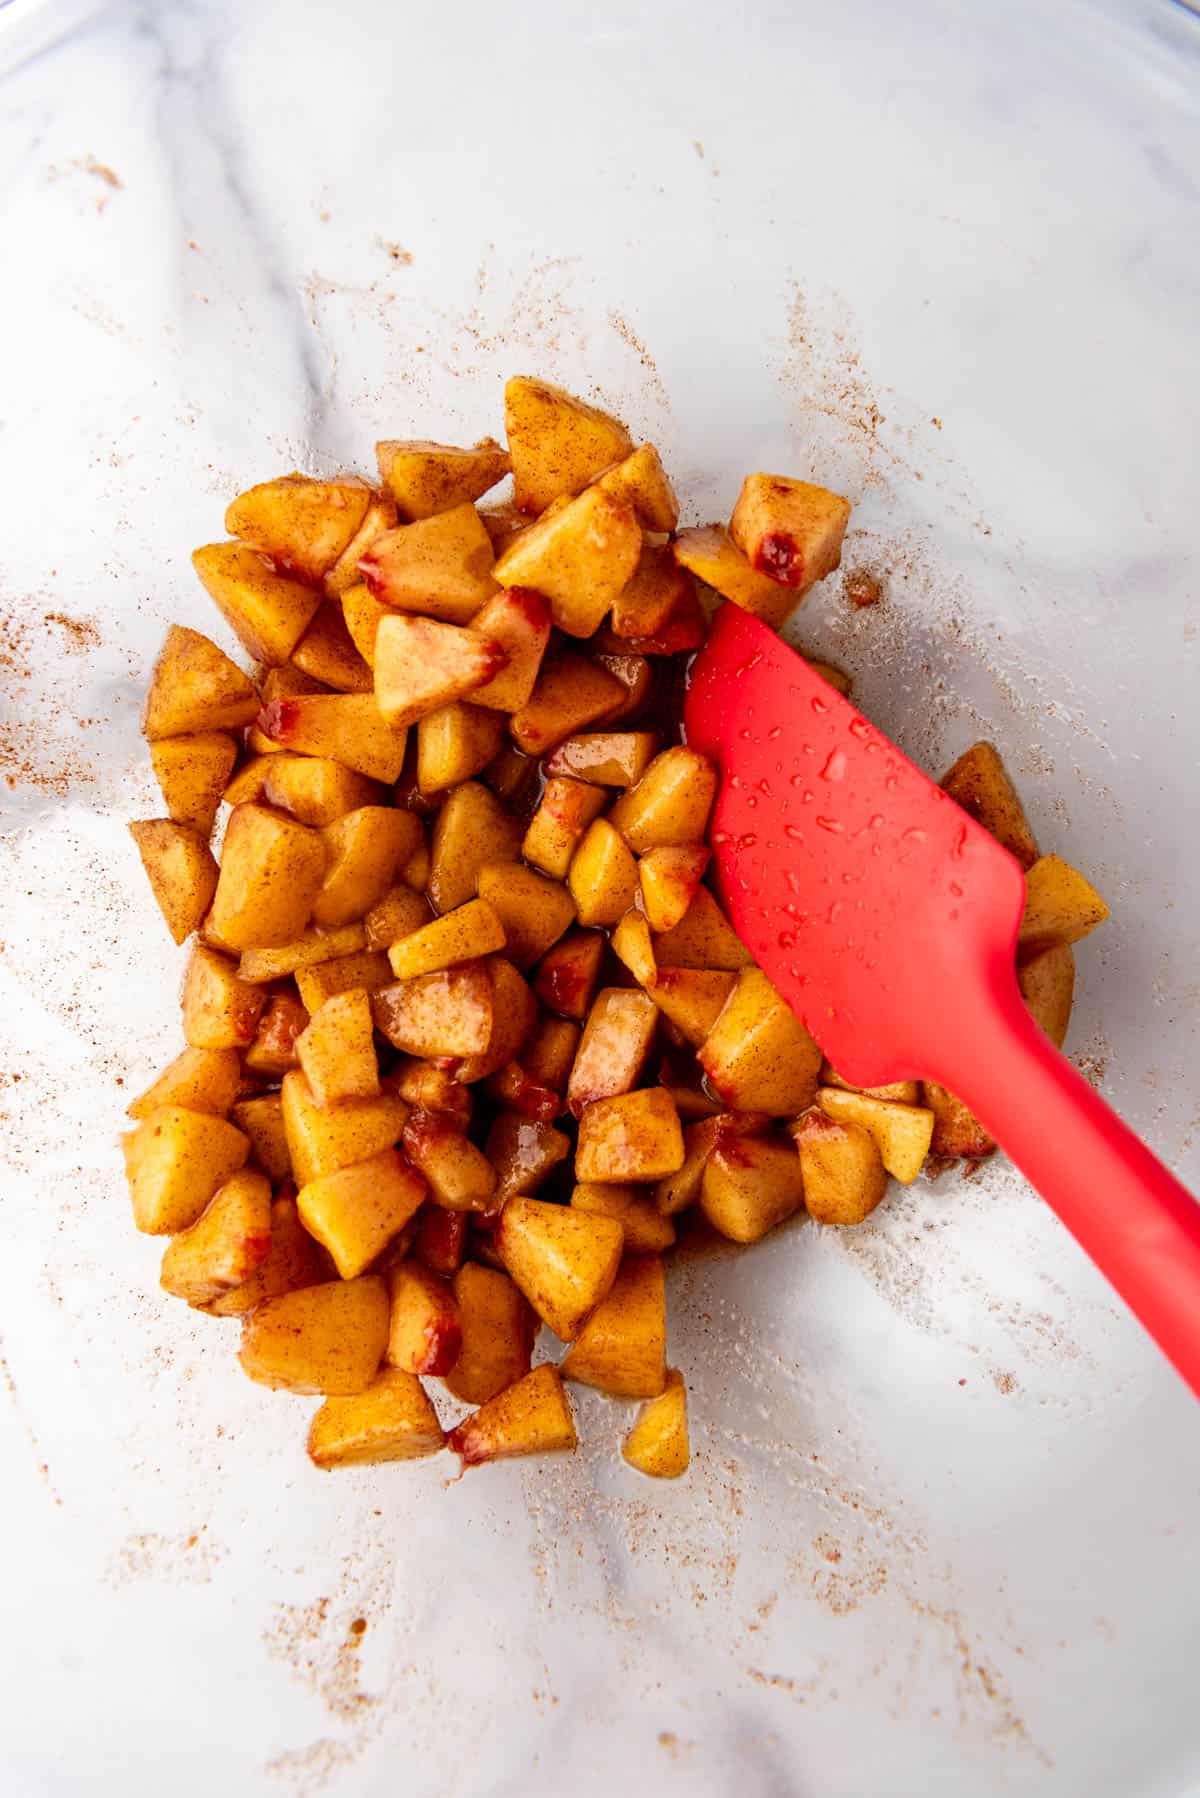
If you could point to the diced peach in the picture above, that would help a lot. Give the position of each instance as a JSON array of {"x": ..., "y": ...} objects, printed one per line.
[
  {"x": 454, "y": 743},
  {"x": 632, "y": 944},
  {"x": 683, "y": 630},
  {"x": 571, "y": 692},
  {"x": 635, "y": 1136},
  {"x": 303, "y": 525},
  {"x": 355, "y": 1211},
  {"x": 446, "y": 1013},
  {"x": 982, "y": 785},
  {"x": 337, "y": 1049},
  {"x": 182, "y": 872},
  {"x": 789, "y": 530},
  {"x": 669, "y": 879},
  {"x": 465, "y": 934},
  {"x": 564, "y": 812},
  {"x": 268, "y": 612},
  {"x": 440, "y": 567},
  {"x": 709, "y": 552},
  {"x": 323, "y": 1140},
  {"x": 396, "y": 915},
  {"x": 293, "y": 1260},
  {"x": 844, "y": 1177},
  {"x": 315, "y": 789},
  {"x": 750, "y": 1184},
  {"x": 658, "y": 585},
  {"x": 616, "y": 1042},
  {"x": 471, "y": 830},
  {"x": 271, "y": 871},
  {"x": 380, "y": 516},
  {"x": 199, "y": 1080},
  {"x": 514, "y": 1014},
  {"x": 904, "y": 1092},
  {"x": 675, "y": 1192},
  {"x": 622, "y": 1348},
  {"x": 530, "y": 1418},
  {"x": 518, "y": 619},
  {"x": 605, "y": 758},
  {"x": 658, "y": 1442},
  {"x": 646, "y": 1229},
  {"x": 533, "y": 911},
  {"x": 957, "y": 1132},
  {"x": 427, "y": 1087},
  {"x": 1047, "y": 983},
  {"x": 363, "y": 614},
  {"x": 460, "y": 1176},
  {"x": 368, "y": 969},
  {"x": 220, "y": 1010},
  {"x": 503, "y": 521},
  {"x": 424, "y": 1335},
  {"x": 350, "y": 728},
  {"x": 579, "y": 557},
  {"x": 226, "y": 1244},
  {"x": 441, "y": 1239},
  {"x": 327, "y": 652},
  {"x": 670, "y": 804},
  {"x": 567, "y": 977},
  {"x": 901, "y": 1133},
  {"x": 640, "y": 481},
  {"x": 273, "y": 1050},
  {"x": 421, "y": 664},
  {"x": 1061, "y": 907},
  {"x": 524, "y": 1153},
  {"x": 195, "y": 687},
  {"x": 636, "y": 676},
  {"x": 759, "y": 1056},
  {"x": 174, "y": 1162},
  {"x": 558, "y": 443},
  {"x": 328, "y": 1338},
  {"x": 703, "y": 938},
  {"x": 498, "y": 1328},
  {"x": 392, "y": 1420},
  {"x": 693, "y": 998},
  {"x": 364, "y": 852},
  {"x": 192, "y": 772},
  {"x": 287, "y": 682},
  {"x": 261, "y": 1119},
  {"x": 307, "y": 950},
  {"x": 563, "y": 1260},
  {"x": 429, "y": 478}
]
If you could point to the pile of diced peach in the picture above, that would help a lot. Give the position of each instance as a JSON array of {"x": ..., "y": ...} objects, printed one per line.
[{"x": 469, "y": 1040}]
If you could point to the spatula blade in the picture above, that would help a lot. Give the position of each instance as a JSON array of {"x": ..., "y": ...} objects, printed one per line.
[{"x": 865, "y": 894}]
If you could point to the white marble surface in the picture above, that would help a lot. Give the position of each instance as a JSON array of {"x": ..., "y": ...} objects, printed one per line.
[{"x": 941, "y": 1533}]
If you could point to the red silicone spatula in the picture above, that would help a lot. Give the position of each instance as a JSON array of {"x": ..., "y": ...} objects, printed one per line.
[{"x": 887, "y": 918}]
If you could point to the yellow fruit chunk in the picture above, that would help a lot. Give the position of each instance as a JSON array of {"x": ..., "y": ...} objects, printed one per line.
[
  {"x": 563, "y": 1260},
  {"x": 670, "y": 804},
  {"x": 273, "y": 1050},
  {"x": 460, "y": 1176},
  {"x": 321, "y": 1140},
  {"x": 567, "y": 977},
  {"x": 669, "y": 880},
  {"x": 632, "y": 944},
  {"x": 645, "y": 1229},
  {"x": 327, "y": 653},
  {"x": 380, "y": 516},
  {"x": 220, "y": 1010},
  {"x": 692, "y": 998},
  {"x": 602, "y": 876},
  {"x": 658, "y": 1442},
  {"x": 305, "y": 951},
  {"x": 363, "y": 614},
  {"x": 421, "y": 664},
  {"x": 315, "y": 789},
  {"x": 616, "y": 1042},
  {"x": 703, "y": 938},
  {"x": 636, "y": 1136},
  {"x": 364, "y": 852},
  {"x": 424, "y": 1333},
  {"x": 454, "y": 743},
  {"x": 446, "y": 1013},
  {"x": 426, "y": 478},
  {"x": 610, "y": 758},
  {"x": 1047, "y": 983},
  {"x": 302, "y": 524},
  {"x": 174, "y": 1162},
  {"x": 192, "y": 772},
  {"x": 267, "y": 612},
  {"x": 518, "y": 619},
  {"x": 905, "y": 1092},
  {"x": 564, "y": 812},
  {"x": 750, "y": 1184},
  {"x": 271, "y": 871},
  {"x": 392, "y": 1420},
  {"x": 709, "y": 552},
  {"x": 533, "y": 911},
  {"x": 524, "y": 1152},
  {"x": 396, "y": 915},
  {"x": 337, "y": 1049},
  {"x": 198, "y": 1080},
  {"x": 579, "y": 557},
  {"x": 658, "y": 588},
  {"x": 622, "y": 1348},
  {"x": 514, "y": 1014},
  {"x": 640, "y": 481},
  {"x": 557, "y": 442},
  {"x": 498, "y": 1328},
  {"x": 440, "y": 567},
  {"x": 292, "y": 1262},
  {"x": 182, "y": 872},
  {"x": 226, "y": 1244},
  {"x": 789, "y": 529},
  {"x": 758, "y": 1055},
  {"x": 195, "y": 687},
  {"x": 320, "y": 981},
  {"x": 464, "y": 934},
  {"x": 328, "y": 1338},
  {"x": 357, "y": 1210},
  {"x": 844, "y": 1176},
  {"x": 571, "y": 691},
  {"x": 530, "y": 1418},
  {"x": 902, "y": 1133},
  {"x": 982, "y": 785},
  {"x": 682, "y": 1188},
  {"x": 1061, "y": 907},
  {"x": 261, "y": 1119},
  {"x": 350, "y": 728}
]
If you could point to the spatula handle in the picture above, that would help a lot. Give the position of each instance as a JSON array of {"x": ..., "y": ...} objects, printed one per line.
[{"x": 1135, "y": 1220}]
